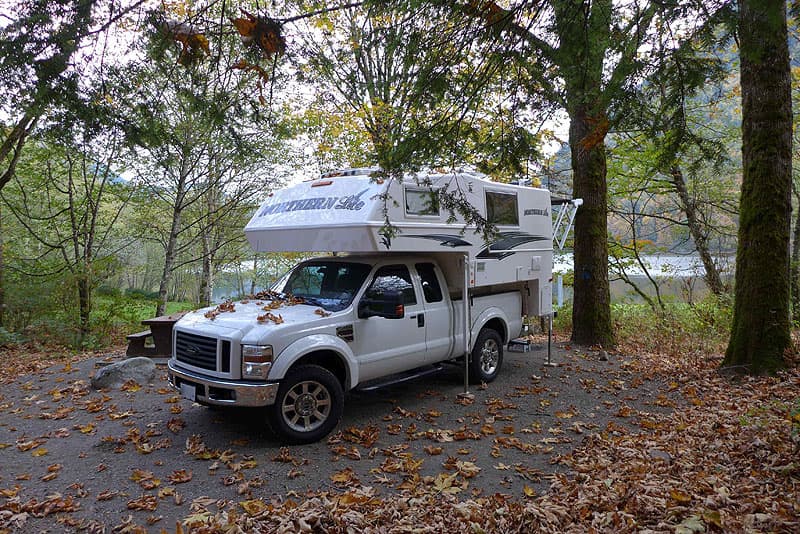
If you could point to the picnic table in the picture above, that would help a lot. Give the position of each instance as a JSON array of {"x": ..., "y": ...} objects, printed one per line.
[{"x": 156, "y": 340}]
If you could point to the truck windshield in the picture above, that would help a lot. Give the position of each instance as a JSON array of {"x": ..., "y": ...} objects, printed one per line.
[{"x": 331, "y": 285}]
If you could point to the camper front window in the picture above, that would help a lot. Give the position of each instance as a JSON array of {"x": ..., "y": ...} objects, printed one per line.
[
  {"x": 327, "y": 284},
  {"x": 501, "y": 208}
]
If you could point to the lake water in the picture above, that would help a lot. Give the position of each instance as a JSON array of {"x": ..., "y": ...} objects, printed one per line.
[{"x": 677, "y": 275}]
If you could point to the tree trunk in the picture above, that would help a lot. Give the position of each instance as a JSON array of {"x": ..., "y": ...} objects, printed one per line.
[
  {"x": 84, "y": 302},
  {"x": 761, "y": 327},
  {"x": 172, "y": 241},
  {"x": 795, "y": 264},
  {"x": 711, "y": 277},
  {"x": 2, "y": 273},
  {"x": 591, "y": 307},
  {"x": 255, "y": 275},
  {"x": 207, "y": 278}
]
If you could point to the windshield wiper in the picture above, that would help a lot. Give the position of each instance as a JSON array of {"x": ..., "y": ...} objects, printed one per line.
[{"x": 312, "y": 301}]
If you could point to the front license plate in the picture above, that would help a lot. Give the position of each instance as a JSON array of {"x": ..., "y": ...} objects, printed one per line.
[{"x": 188, "y": 391}]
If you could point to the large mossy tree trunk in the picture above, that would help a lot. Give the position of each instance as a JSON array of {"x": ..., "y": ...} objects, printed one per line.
[
  {"x": 761, "y": 322},
  {"x": 591, "y": 307},
  {"x": 585, "y": 32}
]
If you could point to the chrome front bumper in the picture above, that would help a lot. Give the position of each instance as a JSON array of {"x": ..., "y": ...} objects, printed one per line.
[{"x": 222, "y": 392}]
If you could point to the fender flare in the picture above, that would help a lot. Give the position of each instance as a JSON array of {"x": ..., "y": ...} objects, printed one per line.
[
  {"x": 314, "y": 343},
  {"x": 487, "y": 315}
]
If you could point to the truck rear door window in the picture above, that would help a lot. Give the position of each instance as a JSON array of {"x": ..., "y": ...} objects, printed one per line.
[
  {"x": 501, "y": 208},
  {"x": 422, "y": 202},
  {"x": 393, "y": 278},
  {"x": 431, "y": 289}
]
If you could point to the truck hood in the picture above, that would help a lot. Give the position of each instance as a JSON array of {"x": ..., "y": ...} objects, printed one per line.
[{"x": 256, "y": 319}]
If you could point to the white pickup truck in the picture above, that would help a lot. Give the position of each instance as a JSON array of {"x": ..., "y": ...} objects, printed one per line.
[
  {"x": 398, "y": 303},
  {"x": 333, "y": 324}
]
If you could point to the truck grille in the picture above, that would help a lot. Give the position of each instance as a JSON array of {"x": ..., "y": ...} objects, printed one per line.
[{"x": 198, "y": 351}]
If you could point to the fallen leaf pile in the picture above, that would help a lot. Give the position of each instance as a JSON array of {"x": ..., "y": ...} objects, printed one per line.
[
  {"x": 660, "y": 447},
  {"x": 727, "y": 459},
  {"x": 225, "y": 307}
]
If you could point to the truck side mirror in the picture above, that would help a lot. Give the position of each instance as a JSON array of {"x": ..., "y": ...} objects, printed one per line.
[{"x": 389, "y": 305}]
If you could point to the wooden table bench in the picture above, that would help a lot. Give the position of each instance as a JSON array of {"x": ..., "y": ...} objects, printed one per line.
[{"x": 156, "y": 340}]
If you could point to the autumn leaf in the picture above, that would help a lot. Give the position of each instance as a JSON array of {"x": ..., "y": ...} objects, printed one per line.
[
  {"x": 131, "y": 386},
  {"x": 345, "y": 477},
  {"x": 9, "y": 493},
  {"x": 180, "y": 476},
  {"x": 107, "y": 495},
  {"x": 253, "y": 507},
  {"x": 528, "y": 491},
  {"x": 24, "y": 446},
  {"x": 176, "y": 424},
  {"x": 433, "y": 451},
  {"x": 443, "y": 483},
  {"x": 262, "y": 32},
  {"x": 712, "y": 517},
  {"x": 145, "y": 502},
  {"x": 680, "y": 496}
]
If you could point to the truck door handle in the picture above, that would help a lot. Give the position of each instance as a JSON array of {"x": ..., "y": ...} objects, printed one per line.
[{"x": 420, "y": 320}]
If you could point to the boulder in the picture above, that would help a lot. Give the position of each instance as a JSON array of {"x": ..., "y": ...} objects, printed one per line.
[{"x": 141, "y": 370}]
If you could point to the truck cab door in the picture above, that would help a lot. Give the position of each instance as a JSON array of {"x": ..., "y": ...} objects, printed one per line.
[
  {"x": 438, "y": 316},
  {"x": 384, "y": 346}
]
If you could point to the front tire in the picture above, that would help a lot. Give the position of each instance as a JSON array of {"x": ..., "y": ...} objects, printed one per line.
[
  {"x": 487, "y": 357},
  {"x": 308, "y": 406}
]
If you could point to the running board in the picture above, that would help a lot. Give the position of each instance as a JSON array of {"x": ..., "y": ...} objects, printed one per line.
[{"x": 399, "y": 378}]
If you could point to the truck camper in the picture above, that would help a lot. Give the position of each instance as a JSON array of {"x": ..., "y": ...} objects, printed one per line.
[{"x": 408, "y": 285}]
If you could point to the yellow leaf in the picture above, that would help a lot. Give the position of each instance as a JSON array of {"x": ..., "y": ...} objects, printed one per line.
[
  {"x": 131, "y": 386},
  {"x": 529, "y": 491},
  {"x": 713, "y": 517},
  {"x": 39, "y": 452},
  {"x": 680, "y": 497},
  {"x": 253, "y": 507},
  {"x": 9, "y": 493}
]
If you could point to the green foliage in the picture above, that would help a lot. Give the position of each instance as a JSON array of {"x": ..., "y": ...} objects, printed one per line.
[
  {"x": 685, "y": 331},
  {"x": 9, "y": 338}
]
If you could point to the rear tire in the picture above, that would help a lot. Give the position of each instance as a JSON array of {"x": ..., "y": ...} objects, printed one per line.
[
  {"x": 308, "y": 406},
  {"x": 486, "y": 358}
]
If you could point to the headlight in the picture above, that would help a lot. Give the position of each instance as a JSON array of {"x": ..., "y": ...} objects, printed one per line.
[{"x": 256, "y": 361}]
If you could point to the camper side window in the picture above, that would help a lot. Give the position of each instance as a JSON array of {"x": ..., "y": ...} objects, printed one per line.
[
  {"x": 422, "y": 202},
  {"x": 392, "y": 278},
  {"x": 501, "y": 208}
]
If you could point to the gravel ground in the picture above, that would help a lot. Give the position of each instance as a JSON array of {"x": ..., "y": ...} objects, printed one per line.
[{"x": 66, "y": 447}]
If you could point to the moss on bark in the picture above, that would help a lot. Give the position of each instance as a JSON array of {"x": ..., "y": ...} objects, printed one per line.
[{"x": 761, "y": 324}]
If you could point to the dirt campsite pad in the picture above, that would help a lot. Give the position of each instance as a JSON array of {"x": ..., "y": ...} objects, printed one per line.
[{"x": 619, "y": 444}]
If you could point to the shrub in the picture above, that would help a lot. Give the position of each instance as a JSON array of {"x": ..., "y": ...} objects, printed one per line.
[
  {"x": 680, "y": 329},
  {"x": 141, "y": 293},
  {"x": 10, "y": 338}
]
